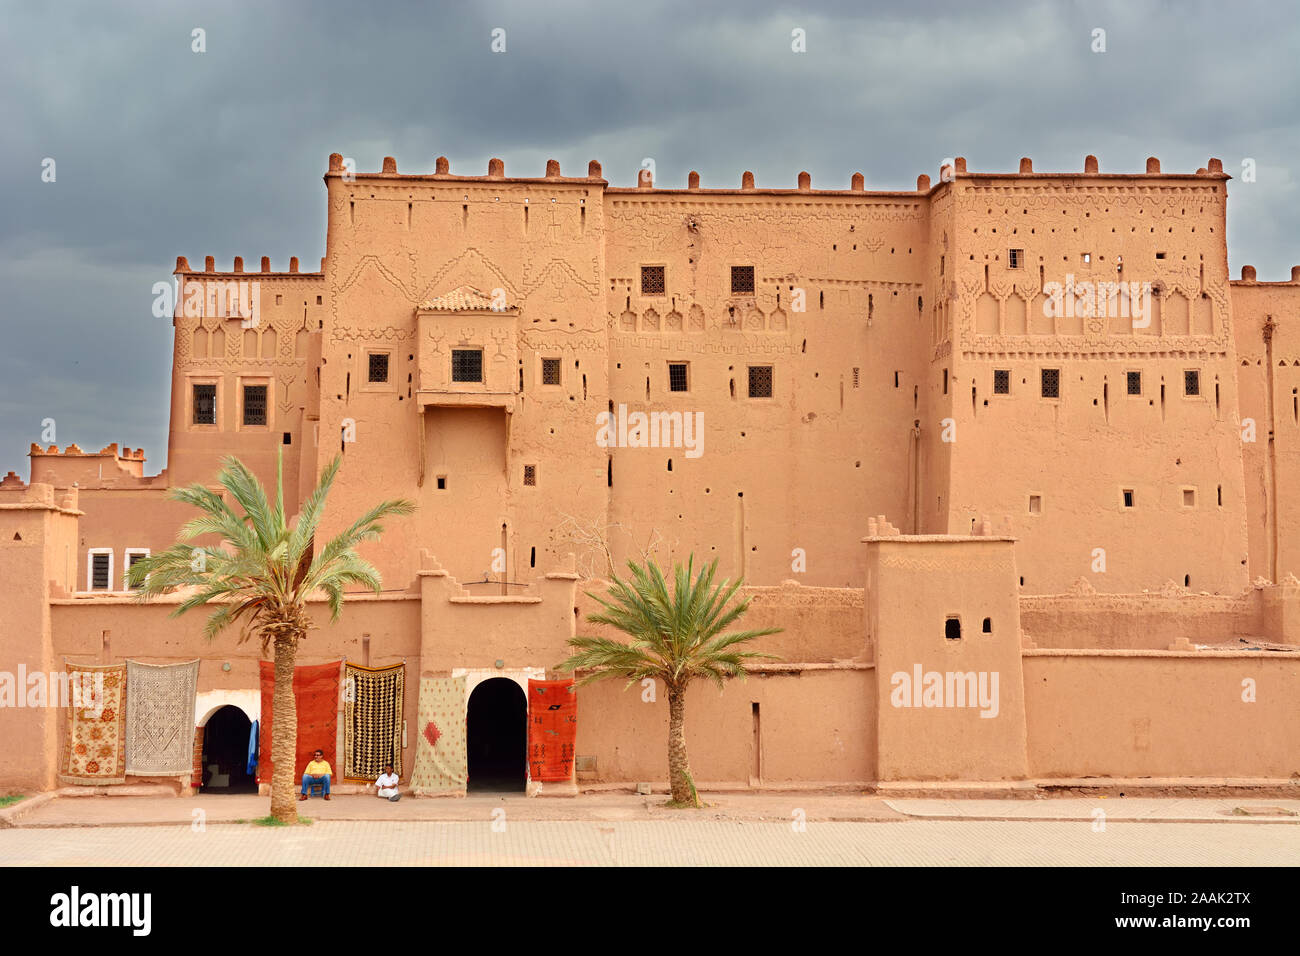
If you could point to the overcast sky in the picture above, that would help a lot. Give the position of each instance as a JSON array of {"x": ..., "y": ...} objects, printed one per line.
[{"x": 161, "y": 151}]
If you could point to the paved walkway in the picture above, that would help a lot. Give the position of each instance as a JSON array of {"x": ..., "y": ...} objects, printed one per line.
[
  {"x": 680, "y": 842},
  {"x": 95, "y": 811}
]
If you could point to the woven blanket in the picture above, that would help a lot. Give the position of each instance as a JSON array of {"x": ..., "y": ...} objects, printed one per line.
[
  {"x": 160, "y": 717},
  {"x": 316, "y": 697},
  {"x": 372, "y": 720},
  {"x": 552, "y": 728},
  {"x": 94, "y": 747},
  {"x": 441, "y": 761}
]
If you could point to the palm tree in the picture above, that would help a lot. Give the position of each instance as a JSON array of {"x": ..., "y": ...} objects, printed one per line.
[
  {"x": 262, "y": 576},
  {"x": 676, "y": 638}
]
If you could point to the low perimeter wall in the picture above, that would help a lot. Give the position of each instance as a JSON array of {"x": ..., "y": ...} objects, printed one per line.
[{"x": 1162, "y": 714}]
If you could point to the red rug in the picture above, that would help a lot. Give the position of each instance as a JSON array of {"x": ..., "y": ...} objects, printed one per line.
[
  {"x": 316, "y": 695},
  {"x": 552, "y": 729}
]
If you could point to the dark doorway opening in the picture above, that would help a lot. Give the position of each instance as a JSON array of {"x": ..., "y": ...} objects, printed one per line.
[
  {"x": 497, "y": 744},
  {"x": 225, "y": 753}
]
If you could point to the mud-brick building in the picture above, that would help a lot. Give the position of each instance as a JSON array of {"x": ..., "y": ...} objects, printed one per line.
[{"x": 1009, "y": 457}]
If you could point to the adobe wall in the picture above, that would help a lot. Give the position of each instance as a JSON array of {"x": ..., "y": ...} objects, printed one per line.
[
  {"x": 1085, "y": 619},
  {"x": 814, "y": 725},
  {"x": 1268, "y": 375},
  {"x": 220, "y": 339},
  {"x": 1162, "y": 714},
  {"x": 819, "y": 625},
  {"x": 37, "y": 532},
  {"x": 834, "y": 313},
  {"x": 1164, "y": 230}
]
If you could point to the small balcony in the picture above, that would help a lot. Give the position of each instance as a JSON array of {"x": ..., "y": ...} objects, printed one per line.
[{"x": 469, "y": 351}]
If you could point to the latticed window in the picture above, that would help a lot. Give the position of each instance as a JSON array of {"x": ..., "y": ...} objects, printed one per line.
[
  {"x": 378, "y": 367},
  {"x": 467, "y": 365},
  {"x": 742, "y": 280},
  {"x": 760, "y": 381},
  {"x": 530, "y": 474},
  {"x": 1001, "y": 381},
  {"x": 1134, "y": 383},
  {"x": 205, "y": 404},
  {"x": 1015, "y": 258},
  {"x": 99, "y": 571},
  {"x": 1051, "y": 383},
  {"x": 1191, "y": 382},
  {"x": 652, "y": 280},
  {"x": 678, "y": 381},
  {"x": 254, "y": 404},
  {"x": 550, "y": 371}
]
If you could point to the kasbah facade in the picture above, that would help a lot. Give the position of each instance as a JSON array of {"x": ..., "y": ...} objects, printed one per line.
[{"x": 913, "y": 466}]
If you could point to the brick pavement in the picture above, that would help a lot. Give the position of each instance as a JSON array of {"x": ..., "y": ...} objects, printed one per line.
[{"x": 680, "y": 842}]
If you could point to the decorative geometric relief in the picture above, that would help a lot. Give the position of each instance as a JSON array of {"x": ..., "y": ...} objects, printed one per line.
[
  {"x": 780, "y": 321},
  {"x": 673, "y": 321},
  {"x": 986, "y": 317},
  {"x": 697, "y": 319},
  {"x": 627, "y": 321},
  {"x": 650, "y": 321}
]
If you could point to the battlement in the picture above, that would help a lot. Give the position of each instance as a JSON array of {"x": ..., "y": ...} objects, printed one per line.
[
  {"x": 210, "y": 268},
  {"x": 71, "y": 464},
  {"x": 1248, "y": 277},
  {"x": 857, "y": 184},
  {"x": 15, "y": 493}
]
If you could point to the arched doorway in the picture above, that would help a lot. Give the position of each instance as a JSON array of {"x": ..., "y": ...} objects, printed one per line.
[
  {"x": 225, "y": 753},
  {"x": 497, "y": 736}
]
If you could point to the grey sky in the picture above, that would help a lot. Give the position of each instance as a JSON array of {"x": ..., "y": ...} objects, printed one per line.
[{"x": 161, "y": 151}]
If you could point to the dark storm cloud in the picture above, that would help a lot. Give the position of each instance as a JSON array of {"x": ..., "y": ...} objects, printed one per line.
[{"x": 161, "y": 151}]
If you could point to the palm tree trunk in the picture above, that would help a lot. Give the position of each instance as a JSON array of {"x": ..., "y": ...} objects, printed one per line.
[
  {"x": 679, "y": 768},
  {"x": 284, "y": 732}
]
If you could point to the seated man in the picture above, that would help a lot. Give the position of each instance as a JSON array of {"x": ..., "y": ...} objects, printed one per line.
[
  {"x": 386, "y": 785},
  {"x": 318, "y": 771}
]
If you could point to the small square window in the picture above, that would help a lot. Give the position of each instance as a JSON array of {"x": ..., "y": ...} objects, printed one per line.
[
  {"x": 254, "y": 404},
  {"x": 1189, "y": 498},
  {"x": 442, "y": 482},
  {"x": 467, "y": 365},
  {"x": 760, "y": 381},
  {"x": 952, "y": 629},
  {"x": 678, "y": 380},
  {"x": 742, "y": 280},
  {"x": 287, "y": 439},
  {"x": 205, "y": 404},
  {"x": 530, "y": 475},
  {"x": 1134, "y": 383},
  {"x": 550, "y": 371},
  {"x": 652, "y": 280},
  {"x": 1001, "y": 381},
  {"x": 1051, "y": 381},
  {"x": 1160, "y": 255},
  {"x": 1035, "y": 504},
  {"x": 1191, "y": 382},
  {"x": 1087, "y": 257},
  {"x": 1015, "y": 258},
  {"x": 378, "y": 367},
  {"x": 1128, "y": 498}
]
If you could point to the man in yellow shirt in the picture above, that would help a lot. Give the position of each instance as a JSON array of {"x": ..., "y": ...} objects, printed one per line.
[{"x": 318, "y": 771}]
